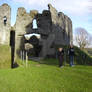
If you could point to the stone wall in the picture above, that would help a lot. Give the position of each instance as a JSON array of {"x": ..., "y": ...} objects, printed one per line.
[
  {"x": 23, "y": 26},
  {"x": 61, "y": 27},
  {"x": 54, "y": 27},
  {"x": 5, "y": 10},
  {"x": 44, "y": 22}
]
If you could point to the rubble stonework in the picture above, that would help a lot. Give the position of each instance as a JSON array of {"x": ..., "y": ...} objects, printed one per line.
[{"x": 5, "y": 10}]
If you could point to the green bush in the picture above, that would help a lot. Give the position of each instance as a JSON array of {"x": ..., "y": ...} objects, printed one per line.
[{"x": 81, "y": 56}]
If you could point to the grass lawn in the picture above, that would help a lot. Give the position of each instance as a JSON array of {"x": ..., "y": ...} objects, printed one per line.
[
  {"x": 43, "y": 76},
  {"x": 40, "y": 77}
]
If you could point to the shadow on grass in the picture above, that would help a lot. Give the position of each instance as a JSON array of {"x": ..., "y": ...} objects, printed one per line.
[{"x": 15, "y": 65}]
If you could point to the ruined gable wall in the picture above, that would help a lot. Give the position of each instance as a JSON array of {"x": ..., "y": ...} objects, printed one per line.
[
  {"x": 57, "y": 27},
  {"x": 61, "y": 26},
  {"x": 5, "y": 10},
  {"x": 49, "y": 22},
  {"x": 23, "y": 25}
]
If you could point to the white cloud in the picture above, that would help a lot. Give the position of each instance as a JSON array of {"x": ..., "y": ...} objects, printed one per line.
[
  {"x": 32, "y": 2},
  {"x": 75, "y": 7},
  {"x": 90, "y": 6}
]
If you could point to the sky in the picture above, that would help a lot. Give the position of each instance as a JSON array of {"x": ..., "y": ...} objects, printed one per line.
[{"x": 80, "y": 11}]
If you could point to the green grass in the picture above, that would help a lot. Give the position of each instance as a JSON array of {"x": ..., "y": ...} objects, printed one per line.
[
  {"x": 41, "y": 77},
  {"x": 4, "y": 56}
]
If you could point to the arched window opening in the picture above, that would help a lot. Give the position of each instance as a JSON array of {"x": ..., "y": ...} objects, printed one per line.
[
  {"x": 5, "y": 20},
  {"x": 35, "y": 24}
]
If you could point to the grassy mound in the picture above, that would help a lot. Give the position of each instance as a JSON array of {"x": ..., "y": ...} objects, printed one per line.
[
  {"x": 5, "y": 56},
  {"x": 81, "y": 56}
]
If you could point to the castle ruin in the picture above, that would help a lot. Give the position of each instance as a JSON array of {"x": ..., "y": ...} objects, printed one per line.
[{"x": 54, "y": 28}]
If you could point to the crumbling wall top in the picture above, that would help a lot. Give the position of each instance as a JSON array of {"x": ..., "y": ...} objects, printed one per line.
[
  {"x": 5, "y": 5},
  {"x": 33, "y": 13}
]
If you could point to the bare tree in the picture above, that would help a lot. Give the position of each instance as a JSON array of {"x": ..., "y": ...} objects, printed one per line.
[{"x": 82, "y": 37}]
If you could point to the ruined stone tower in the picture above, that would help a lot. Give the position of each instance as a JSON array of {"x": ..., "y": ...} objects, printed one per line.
[{"x": 5, "y": 24}]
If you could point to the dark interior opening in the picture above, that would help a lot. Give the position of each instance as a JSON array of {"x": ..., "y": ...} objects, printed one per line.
[
  {"x": 5, "y": 20},
  {"x": 35, "y": 51}
]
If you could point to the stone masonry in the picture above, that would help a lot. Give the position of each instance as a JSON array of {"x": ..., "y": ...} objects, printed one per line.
[
  {"x": 54, "y": 27},
  {"x": 5, "y": 10}
]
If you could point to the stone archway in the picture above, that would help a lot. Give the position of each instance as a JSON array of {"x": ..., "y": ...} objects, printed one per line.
[{"x": 33, "y": 41}]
